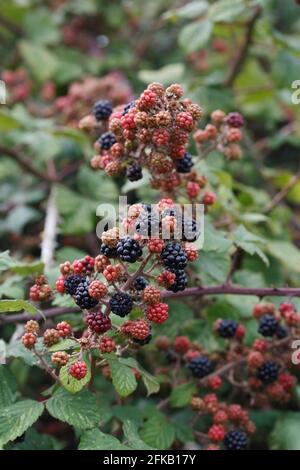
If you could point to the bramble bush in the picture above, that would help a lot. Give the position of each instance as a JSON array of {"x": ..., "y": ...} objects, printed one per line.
[{"x": 140, "y": 337}]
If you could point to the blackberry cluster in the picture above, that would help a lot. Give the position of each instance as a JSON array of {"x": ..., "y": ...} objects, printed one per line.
[
  {"x": 185, "y": 164},
  {"x": 200, "y": 366},
  {"x": 129, "y": 250},
  {"x": 98, "y": 322},
  {"x": 268, "y": 372},
  {"x": 102, "y": 109},
  {"x": 147, "y": 224},
  {"x": 140, "y": 283},
  {"x": 180, "y": 281},
  {"x": 173, "y": 256},
  {"x": 227, "y": 328},
  {"x": 268, "y": 325},
  {"x": 110, "y": 252},
  {"x": 142, "y": 342},
  {"x": 107, "y": 140},
  {"x": 71, "y": 283},
  {"x": 236, "y": 440},
  {"x": 82, "y": 297},
  {"x": 121, "y": 304},
  {"x": 134, "y": 172}
]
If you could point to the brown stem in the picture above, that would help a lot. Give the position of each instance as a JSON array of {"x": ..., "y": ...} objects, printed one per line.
[
  {"x": 282, "y": 194},
  {"x": 10, "y": 26},
  {"x": 48, "y": 313},
  {"x": 46, "y": 366}
]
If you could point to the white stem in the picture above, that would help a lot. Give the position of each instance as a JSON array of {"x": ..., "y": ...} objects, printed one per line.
[{"x": 50, "y": 229}]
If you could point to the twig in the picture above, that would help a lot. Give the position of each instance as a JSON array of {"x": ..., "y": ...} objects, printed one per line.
[
  {"x": 48, "y": 313},
  {"x": 50, "y": 229},
  {"x": 10, "y": 26},
  {"x": 46, "y": 366},
  {"x": 242, "y": 52},
  {"x": 282, "y": 194}
]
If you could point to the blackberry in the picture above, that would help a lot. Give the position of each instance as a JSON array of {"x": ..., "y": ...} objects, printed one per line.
[
  {"x": 71, "y": 283},
  {"x": 102, "y": 109},
  {"x": 107, "y": 140},
  {"x": 134, "y": 172},
  {"x": 140, "y": 283},
  {"x": 268, "y": 325},
  {"x": 142, "y": 342},
  {"x": 268, "y": 372},
  {"x": 282, "y": 332},
  {"x": 127, "y": 107},
  {"x": 185, "y": 164},
  {"x": 121, "y": 304},
  {"x": 200, "y": 366},
  {"x": 147, "y": 224},
  {"x": 108, "y": 251},
  {"x": 98, "y": 322},
  {"x": 227, "y": 328},
  {"x": 129, "y": 250},
  {"x": 82, "y": 297},
  {"x": 180, "y": 281},
  {"x": 173, "y": 256},
  {"x": 236, "y": 440}
]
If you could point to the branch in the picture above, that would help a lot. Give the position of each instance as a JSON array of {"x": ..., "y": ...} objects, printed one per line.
[
  {"x": 50, "y": 229},
  {"x": 10, "y": 26},
  {"x": 242, "y": 52},
  {"x": 26, "y": 165},
  {"x": 48, "y": 313},
  {"x": 282, "y": 194}
]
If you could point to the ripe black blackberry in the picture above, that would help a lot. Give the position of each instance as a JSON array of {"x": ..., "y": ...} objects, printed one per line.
[
  {"x": 147, "y": 224},
  {"x": 185, "y": 164},
  {"x": 121, "y": 304},
  {"x": 268, "y": 325},
  {"x": 173, "y": 256},
  {"x": 107, "y": 140},
  {"x": 282, "y": 332},
  {"x": 227, "y": 328},
  {"x": 108, "y": 251},
  {"x": 129, "y": 250},
  {"x": 127, "y": 107},
  {"x": 82, "y": 297},
  {"x": 236, "y": 440},
  {"x": 180, "y": 281},
  {"x": 142, "y": 342},
  {"x": 134, "y": 172},
  {"x": 190, "y": 230},
  {"x": 140, "y": 283},
  {"x": 268, "y": 372},
  {"x": 98, "y": 321},
  {"x": 71, "y": 283},
  {"x": 102, "y": 109},
  {"x": 200, "y": 366}
]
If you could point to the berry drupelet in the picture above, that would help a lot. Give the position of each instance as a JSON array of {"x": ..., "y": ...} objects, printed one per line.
[
  {"x": 129, "y": 250},
  {"x": 268, "y": 325},
  {"x": 200, "y": 366},
  {"x": 102, "y": 109},
  {"x": 82, "y": 296},
  {"x": 227, "y": 328},
  {"x": 173, "y": 256},
  {"x": 109, "y": 252},
  {"x": 185, "y": 164},
  {"x": 71, "y": 283},
  {"x": 236, "y": 440},
  {"x": 134, "y": 172},
  {"x": 140, "y": 283},
  {"x": 107, "y": 140},
  {"x": 268, "y": 372},
  {"x": 121, "y": 304}
]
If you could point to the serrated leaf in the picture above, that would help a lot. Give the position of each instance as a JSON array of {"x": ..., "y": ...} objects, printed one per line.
[
  {"x": 181, "y": 395},
  {"x": 168, "y": 74},
  {"x": 123, "y": 377},
  {"x": 97, "y": 440},
  {"x": 41, "y": 61},
  {"x": 249, "y": 242},
  {"x": 226, "y": 10},
  {"x": 8, "y": 387},
  {"x": 78, "y": 410},
  {"x": 286, "y": 252},
  {"x": 17, "y": 306},
  {"x": 133, "y": 439},
  {"x": 285, "y": 435},
  {"x": 189, "y": 11},
  {"x": 194, "y": 35},
  {"x": 71, "y": 384},
  {"x": 64, "y": 345},
  {"x": 149, "y": 380},
  {"x": 158, "y": 433},
  {"x": 16, "y": 418},
  {"x": 36, "y": 441}
]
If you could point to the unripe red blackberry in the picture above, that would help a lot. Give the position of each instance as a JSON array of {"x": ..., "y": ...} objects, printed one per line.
[
  {"x": 39, "y": 292},
  {"x": 220, "y": 417},
  {"x": 84, "y": 265},
  {"x": 286, "y": 306},
  {"x": 233, "y": 152},
  {"x": 166, "y": 278},
  {"x": 217, "y": 116},
  {"x": 78, "y": 370},
  {"x": 191, "y": 253},
  {"x": 200, "y": 136},
  {"x": 195, "y": 110},
  {"x": 214, "y": 382},
  {"x": 151, "y": 295},
  {"x": 216, "y": 433},
  {"x": 287, "y": 381},
  {"x": 163, "y": 118},
  {"x": 31, "y": 326},
  {"x": 41, "y": 280},
  {"x": 140, "y": 329},
  {"x": 112, "y": 272},
  {"x": 60, "y": 358},
  {"x": 182, "y": 344},
  {"x": 64, "y": 329},
  {"x": 174, "y": 90},
  {"x": 255, "y": 359},
  {"x": 146, "y": 100},
  {"x": 193, "y": 189},
  {"x": 234, "y": 135},
  {"x": 197, "y": 404},
  {"x": 211, "y": 131},
  {"x": 161, "y": 137},
  {"x": 60, "y": 284},
  {"x": 66, "y": 268},
  {"x": 162, "y": 343},
  {"x": 98, "y": 321},
  {"x": 158, "y": 313},
  {"x": 156, "y": 88},
  {"x": 107, "y": 345},
  {"x": 126, "y": 328},
  {"x": 235, "y": 412},
  {"x": 141, "y": 119},
  {"x": 101, "y": 262},
  {"x": 235, "y": 119},
  {"x": 155, "y": 245},
  {"x": 128, "y": 121},
  {"x": 51, "y": 336},
  {"x": 29, "y": 340},
  {"x": 260, "y": 345},
  {"x": 209, "y": 198},
  {"x": 97, "y": 290}
]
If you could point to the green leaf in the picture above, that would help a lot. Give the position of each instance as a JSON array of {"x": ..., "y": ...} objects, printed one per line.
[
  {"x": 23, "y": 269},
  {"x": 189, "y": 11},
  {"x": 166, "y": 75},
  {"x": 215, "y": 240},
  {"x": 195, "y": 35},
  {"x": 64, "y": 345},
  {"x": 158, "y": 432},
  {"x": 97, "y": 440},
  {"x": 182, "y": 394},
  {"x": 40, "y": 60},
  {"x": 227, "y": 10},
  {"x": 78, "y": 410},
  {"x": 123, "y": 377},
  {"x": 133, "y": 439},
  {"x": 290, "y": 41},
  {"x": 8, "y": 387},
  {"x": 149, "y": 380},
  {"x": 36, "y": 441},
  {"x": 16, "y": 418},
  {"x": 71, "y": 384},
  {"x": 8, "y": 122},
  {"x": 249, "y": 243},
  {"x": 286, "y": 252},
  {"x": 17, "y": 306},
  {"x": 285, "y": 435},
  {"x": 40, "y": 26},
  {"x": 213, "y": 266}
]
